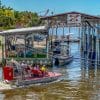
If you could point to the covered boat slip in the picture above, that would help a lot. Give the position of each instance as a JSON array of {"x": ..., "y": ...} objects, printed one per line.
[
  {"x": 87, "y": 28},
  {"x": 26, "y": 44}
]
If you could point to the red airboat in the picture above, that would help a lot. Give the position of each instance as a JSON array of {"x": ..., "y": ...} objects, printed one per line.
[{"x": 24, "y": 75}]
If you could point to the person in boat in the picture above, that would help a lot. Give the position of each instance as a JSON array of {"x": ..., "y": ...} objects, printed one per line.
[
  {"x": 43, "y": 70},
  {"x": 38, "y": 67},
  {"x": 39, "y": 70},
  {"x": 35, "y": 67},
  {"x": 23, "y": 67},
  {"x": 36, "y": 71},
  {"x": 16, "y": 72},
  {"x": 32, "y": 66},
  {"x": 27, "y": 69}
]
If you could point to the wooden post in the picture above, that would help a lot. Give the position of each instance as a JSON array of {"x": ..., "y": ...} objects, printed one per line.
[
  {"x": 25, "y": 46},
  {"x": 88, "y": 41},
  {"x": 3, "y": 51},
  {"x": 5, "y": 47},
  {"x": 63, "y": 30},
  {"x": 56, "y": 33},
  {"x": 82, "y": 38},
  {"x": 2, "y": 48},
  {"x": 69, "y": 35},
  {"x": 79, "y": 37},
  {"x": 98, "y": 46},
  {"x": 47, "y": 45},
  {"x": 32, "y": 40},
  {"x": 69, "y": 30},
  {"x": 99, "y": 52},
  {"x": 79, "y": 30},
  {"x": 33, "y": 45},
  {"x": 52, "y": 37}
]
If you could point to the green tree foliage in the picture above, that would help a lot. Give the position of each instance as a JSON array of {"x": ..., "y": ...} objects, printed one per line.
[
  {"x": 10, "y": 18},
  {"x": 26, "y": 19}
]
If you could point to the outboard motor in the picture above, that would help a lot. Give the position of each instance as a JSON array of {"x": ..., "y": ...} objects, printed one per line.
[{"x": 56, "y": 62}]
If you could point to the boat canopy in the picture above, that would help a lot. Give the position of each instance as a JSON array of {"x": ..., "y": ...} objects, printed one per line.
[{"x": 38, "y": 29}]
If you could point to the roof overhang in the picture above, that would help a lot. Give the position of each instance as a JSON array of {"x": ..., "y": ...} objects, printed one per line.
[
  {"x": 64, "y": 14},
  {"x": 22, "y": 31},
  {"x": 70, "y": 19}
]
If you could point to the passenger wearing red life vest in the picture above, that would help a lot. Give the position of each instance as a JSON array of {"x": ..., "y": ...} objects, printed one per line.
[{"x": 36, "y": 71}]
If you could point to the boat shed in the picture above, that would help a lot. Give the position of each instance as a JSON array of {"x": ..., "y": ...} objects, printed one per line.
[
  {"x": 19, "y": 44},
  {"x": 89, "y": 33}
]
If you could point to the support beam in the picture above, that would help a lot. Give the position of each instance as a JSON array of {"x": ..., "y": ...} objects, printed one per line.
[
  {"x": 25, "y": 46},
  {"x": 47, "y": 47},
  {"x": 63, "y": 30},
  {"x": 56, "y": 32}
]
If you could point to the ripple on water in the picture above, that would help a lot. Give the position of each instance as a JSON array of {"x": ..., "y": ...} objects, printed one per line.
[{"x": 78, "y": 82}]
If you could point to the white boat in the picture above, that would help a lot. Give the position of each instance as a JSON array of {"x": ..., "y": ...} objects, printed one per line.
[
  {"x": 62, "y": 60},
  {"x": 62, "y": 54},
  {"x": 70, "y": 37}
]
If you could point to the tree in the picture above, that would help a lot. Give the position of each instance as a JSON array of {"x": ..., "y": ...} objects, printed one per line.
[{"x": 10, "y": 18}]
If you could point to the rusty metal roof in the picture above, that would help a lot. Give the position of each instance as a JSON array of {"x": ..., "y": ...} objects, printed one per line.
[
  {"x": 24, "y": 30},
  {"x": 64, "y": 14}
]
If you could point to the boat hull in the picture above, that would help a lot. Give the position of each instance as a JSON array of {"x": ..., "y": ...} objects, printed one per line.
[
  {"x": 63, "y": 60},
  {"x": 52, "y": 76}
]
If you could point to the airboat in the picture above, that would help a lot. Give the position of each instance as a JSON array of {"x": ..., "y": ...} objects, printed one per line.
[{"x": 16, "y": 75}]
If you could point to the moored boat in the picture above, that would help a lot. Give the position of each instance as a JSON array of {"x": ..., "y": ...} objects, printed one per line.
[
  {"x": 62, "y": 53},
  {"x": 62, "y": 60}
]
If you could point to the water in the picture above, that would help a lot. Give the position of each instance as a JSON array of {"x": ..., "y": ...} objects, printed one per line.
[{"x": 79, "y": 82}]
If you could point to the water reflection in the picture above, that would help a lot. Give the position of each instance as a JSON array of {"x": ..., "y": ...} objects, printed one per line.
[{"x": 79, "y": 82}]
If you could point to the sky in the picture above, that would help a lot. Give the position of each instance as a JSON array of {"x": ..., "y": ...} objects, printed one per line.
[{"x": 56, "y": 6}]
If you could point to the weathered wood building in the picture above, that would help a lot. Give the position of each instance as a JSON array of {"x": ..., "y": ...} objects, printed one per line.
[{"x": 89, "y": 30}]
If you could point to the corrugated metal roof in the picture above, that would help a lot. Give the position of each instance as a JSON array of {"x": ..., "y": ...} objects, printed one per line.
[
  {"x": 73, "y": 12},
  {"x": 25, "y": 30}
]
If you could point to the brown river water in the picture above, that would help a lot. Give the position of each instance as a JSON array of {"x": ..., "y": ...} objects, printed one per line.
[{"x": 79, "y": 81}]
